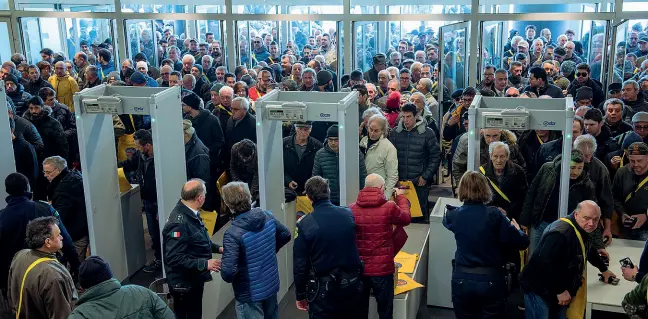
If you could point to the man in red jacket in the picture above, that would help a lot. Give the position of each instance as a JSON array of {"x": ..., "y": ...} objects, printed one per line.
[{"x": 375, "y": 218}]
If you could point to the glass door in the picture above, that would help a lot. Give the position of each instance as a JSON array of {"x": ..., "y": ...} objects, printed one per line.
[
  {"x": 492, "y": 45},
  {"x": 616, "y": 67},
  {"x": 141, "y": 37},
  {"x": 39, "y": 33},
  {"x": 6, "y": 36},
  {"x": 453, "y": 57}
]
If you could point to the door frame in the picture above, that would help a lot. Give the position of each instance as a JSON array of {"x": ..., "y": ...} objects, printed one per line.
[
  {"x": 464, "y": 25},
  {"x": 612, "y": 56}
]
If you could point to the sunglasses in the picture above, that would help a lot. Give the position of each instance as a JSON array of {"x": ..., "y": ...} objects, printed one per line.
[
  {"x": 582, "y": 75},
  {"x": 512, "y": 95},
  {"x": 257, "y": 42},
  {"x": 614, "y": 91}
]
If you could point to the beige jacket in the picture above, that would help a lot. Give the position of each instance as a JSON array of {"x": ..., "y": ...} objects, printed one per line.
[{"x": 381, "y": 159}]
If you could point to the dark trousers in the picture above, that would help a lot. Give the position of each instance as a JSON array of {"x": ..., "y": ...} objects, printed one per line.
[
  {"x": 383, "y": 291},
  {"x": 188, "y": 305},
  {"x": 423, "y": 192},
  {"x": 337, "y": 303},
  {"x": 151, "y": 210},
  {"x": 478, "y": 297}
]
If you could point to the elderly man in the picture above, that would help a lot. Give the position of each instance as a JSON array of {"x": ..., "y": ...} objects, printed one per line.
[
  {"x": 81, "y": 63},
  {"x": 634, "y": 99},
  {"x": 65, "y": 192},
  {"x": 425, "y": 87},
  {"x": 188, "y": 62},
  {"x": 326, "y": 164},
  {"x": 377, "y": 220},
  {"x": 372, "y": 91},
  {"x": 165, "y": 74},
  {"x": 383, "y": 83},
  {"x": 241, "y": 125},
  {"x": 64, "y": 85},
  {"x": 418, "y": 153},
  {"x": 299, "y": 151},
  {"x": 36, "y": 275},
  {"x": 460, "y": 159},
  {"x": 613, "y": 109},
  {"x": 630, "y": 203},
  {"x": 308, "y": 77},
  {"x": 552, "y": 278},
  {"x": 188, "y": 251},
  {"x": 253, "y": 239},
  {"x": 512, "y": 92},
  {"x": 569, "y": 53},
  {"x": 380, "y": 154},
  {"x": 500, "y": 83}
]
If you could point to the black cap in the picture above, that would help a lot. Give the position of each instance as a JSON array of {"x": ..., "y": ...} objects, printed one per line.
[
  {"x": 638, "y": 148},
  {"x": 584, "y": 93},
  {"x": 379, "y": 58},
  {"x": 457, "y": 94},
  {"x": 643, "y": 39},
  {"x": 94, "y": 271},
  {"x": 560, "y": 51},
  {"x": 192, "y": 100},
  {"x": 11, "y": 78},
  {"x": 141, "y": 56},
  {"x": 615, "y": 87},
  {"x": 356, "y": 75},
  {"x": 332, "y": 131},
  {"x": 324, "y": 77}
]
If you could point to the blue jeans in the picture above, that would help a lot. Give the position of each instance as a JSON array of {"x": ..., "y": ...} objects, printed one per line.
[
  {"x": 479, "y": 299},
  {"x": 265, "y": 309},
  {"x": 536, "y": 308},
  {"x": 536, "y": 234},
  {"x": 151, "y": 210}
]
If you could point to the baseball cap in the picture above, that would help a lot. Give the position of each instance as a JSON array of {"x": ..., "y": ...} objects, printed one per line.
[{"x": 638, "y": 148}]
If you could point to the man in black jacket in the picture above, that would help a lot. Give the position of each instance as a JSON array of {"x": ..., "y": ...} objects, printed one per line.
[
  {"x": 630, "y": 201},
  {"x": 325, "y": 242},
  {"x": 24, "y": 155},
  {"x": 25, "y": 128},
  {"x": 16, "y": 92},
  {"x": 241, "y": 125},
  {"x": 36, "y": 82},
  {"x": 634, "y": 100},
  {"x": 197, "y": 160},
  {"x": 142, "y": 163},
  {"x": 49, "y": 128},
  {"x": 20, "y": 210},
  {"x": 593, "y": 122},
  {"x": 65, "y": 191},
  {"x": 419, "y": 153},
  {"x": 538, "y": 84},
  {"x": 549, "y": 151},
  {"x": 188, "y": 251},
  {"x": 299, "y": 152},
  {"x": 63, "y": 115},
  {"x": 613, "y": 109},
  {"x": 583, "y": 79},
  {"x": 553, "y": 276}
]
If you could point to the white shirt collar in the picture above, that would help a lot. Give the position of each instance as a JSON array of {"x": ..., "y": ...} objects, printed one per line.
[{"x": 193, "y": 210}]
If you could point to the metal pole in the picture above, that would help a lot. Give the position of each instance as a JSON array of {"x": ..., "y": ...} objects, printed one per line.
[
  {"x": 473, "y": 150},
  {"x": 564, "y": 165}
]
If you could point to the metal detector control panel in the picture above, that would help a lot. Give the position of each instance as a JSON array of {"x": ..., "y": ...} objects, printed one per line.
[
  {"x": 103, "y": 104},
  {"x": 507, "y": 119},
  {"x": 289, "y": 111}
]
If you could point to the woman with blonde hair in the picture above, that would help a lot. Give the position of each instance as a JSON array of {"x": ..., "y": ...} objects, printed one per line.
[{"x": 482, "y": 234}]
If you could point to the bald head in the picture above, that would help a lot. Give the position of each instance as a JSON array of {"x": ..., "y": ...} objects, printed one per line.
[
  {"x": 59, "y": 68},
  {"x": 374, "y": 180},
  {"x": 194, "y": 191},
  {"x": 587, "y": 214}
]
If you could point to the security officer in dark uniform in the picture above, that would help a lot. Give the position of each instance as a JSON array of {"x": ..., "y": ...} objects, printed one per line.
[
  {"x": 188, "y": 251},
  {"x": 327, "y": 267}
]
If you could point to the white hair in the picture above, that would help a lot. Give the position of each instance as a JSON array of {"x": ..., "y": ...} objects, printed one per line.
[
  {"x": 383, "y": 121},
  {"x": 585, "y": 142},
  {"x": 58, "y": 162},
  {"x": 370, "y": 112},
  {"x": 226, "y": 89},
  {"x": 190, "y": 57},
  {"x": 374, "y": 180},
  {"x": 497, "y": 144},
  {"x": 244, "y": 102},
  {"x": 371, "y": 84}
]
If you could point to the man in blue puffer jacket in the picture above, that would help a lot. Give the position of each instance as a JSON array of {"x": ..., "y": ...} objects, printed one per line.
[{"x": 249, "y": 258}]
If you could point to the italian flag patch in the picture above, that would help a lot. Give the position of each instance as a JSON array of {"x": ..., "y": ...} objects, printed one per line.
[{"x": 176, "y": 234}]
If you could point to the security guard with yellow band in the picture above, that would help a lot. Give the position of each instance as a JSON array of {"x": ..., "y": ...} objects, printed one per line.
[
  {"x": 630, "y": 192},
  {"x": 553, "y": 281}
]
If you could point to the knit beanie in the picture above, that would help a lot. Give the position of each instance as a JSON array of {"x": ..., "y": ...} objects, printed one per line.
[
  {"x": 629, "y": 139},
  {"x": 199, "y": 67},
  {"x": 192, "y": 100},
  {"x": 94, "y": 271},
  {"x": 11, "y": 78},
  {"x": 324, "y": 77},
  {"x": 567, "y": 68},
  {"x": 393, "y": 100},
  {"x": 138, "y": 78},
  {"x": 332, "y": 131}
]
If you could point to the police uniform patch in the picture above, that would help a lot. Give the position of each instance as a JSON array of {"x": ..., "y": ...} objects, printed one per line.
[{"x": 175, "y": 234}]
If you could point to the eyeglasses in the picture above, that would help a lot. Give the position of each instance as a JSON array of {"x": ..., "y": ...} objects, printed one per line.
[
  {"x": 512, "y": 95},
  {"x": 614, "y": 91},
  {"x": 582, "y": 74},
  {"x": 256, "y": 42},
  {"x": 641, "y": 127}
]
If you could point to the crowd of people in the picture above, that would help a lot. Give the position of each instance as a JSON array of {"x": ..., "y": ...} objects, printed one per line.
[{"x": 406, "y": 133}]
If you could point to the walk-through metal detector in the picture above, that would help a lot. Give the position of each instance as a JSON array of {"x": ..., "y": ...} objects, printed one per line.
[
  {"x": 523, "y": 114},
  {"x": 278, "y": 106},
  {"x": 7, "y": 157},
  {"x": 99, "y": 163}
]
